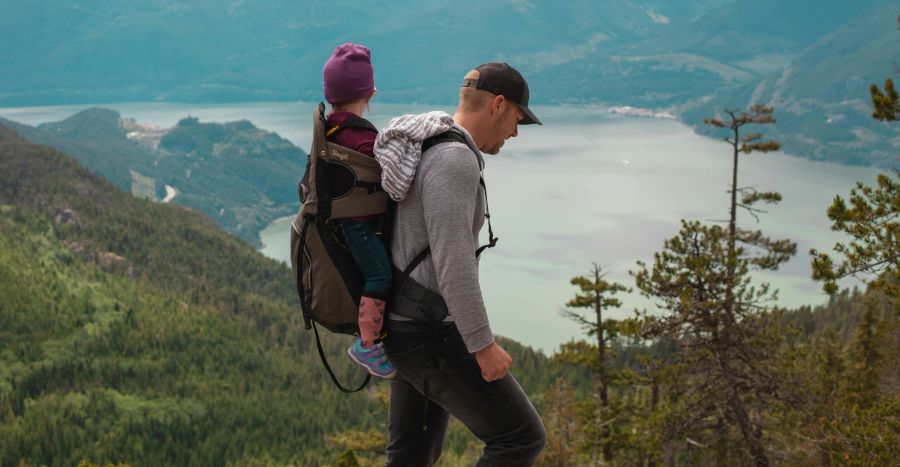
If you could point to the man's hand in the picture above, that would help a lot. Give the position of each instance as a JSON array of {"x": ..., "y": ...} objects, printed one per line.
[{"x": 494, "y": 362}]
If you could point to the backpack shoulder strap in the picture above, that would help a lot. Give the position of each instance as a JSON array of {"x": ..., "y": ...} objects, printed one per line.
[
  {"x": 445, "y": 137},
  {"x": 457, "y": 137},
  {"x": 358, "y": 123}
]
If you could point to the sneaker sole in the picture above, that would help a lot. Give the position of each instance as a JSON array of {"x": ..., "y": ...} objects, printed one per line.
[{"x": 369, "y": 370}]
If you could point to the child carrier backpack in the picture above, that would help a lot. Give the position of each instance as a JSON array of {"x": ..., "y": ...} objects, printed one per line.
[
  {"x": 342, "y": 183},
  {"x": 339, "y": 183}
]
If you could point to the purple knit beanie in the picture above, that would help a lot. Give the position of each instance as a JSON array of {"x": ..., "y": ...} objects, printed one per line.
[{"x": 348, "y": 74}]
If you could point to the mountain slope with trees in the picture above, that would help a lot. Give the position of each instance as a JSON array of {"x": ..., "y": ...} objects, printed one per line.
[
  {"x": 241, "y": 176},
  {"x": 137, "y": 332},
  {"x": 822, "y": 95}
]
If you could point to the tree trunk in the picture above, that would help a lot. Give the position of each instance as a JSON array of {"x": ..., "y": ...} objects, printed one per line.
[
  {"x": 732, "y": 213},
  {"x": 721, "y": 442},
  {"x": 736, "y": 406},
  {"x": 654, "y": 401},
  {"x": 601, "y": 371},
  {"x": 753, "y": 444},
  {"x": 733, "y": 398},
  {"x": 732, "y": 234}
]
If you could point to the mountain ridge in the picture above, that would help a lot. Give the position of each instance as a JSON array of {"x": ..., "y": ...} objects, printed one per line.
[
  {"x": 204, "y": 52},
  {"x": 686, "y": 56},
  {"x": 821, "y": 99},
  {"x": 241, "y": 176}
]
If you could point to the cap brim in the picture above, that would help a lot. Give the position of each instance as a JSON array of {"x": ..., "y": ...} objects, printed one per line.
[{"x": 530, "y": 117}]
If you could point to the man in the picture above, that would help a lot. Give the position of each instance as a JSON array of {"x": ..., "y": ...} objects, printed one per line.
[{"x": 439, "y": 337}]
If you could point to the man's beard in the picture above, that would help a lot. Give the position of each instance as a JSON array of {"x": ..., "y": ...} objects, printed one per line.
[{"x": 495, "y": 130}]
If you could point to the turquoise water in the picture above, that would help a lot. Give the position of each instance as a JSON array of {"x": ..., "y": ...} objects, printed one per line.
[{"x": 585, "y": 187}]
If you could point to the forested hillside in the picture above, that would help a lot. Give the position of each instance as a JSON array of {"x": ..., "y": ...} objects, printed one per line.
[
  {"x": 824, "y": 109},
  {"x": 240, "y": 176},
  {"x": 138, "y": 324},
  {"x": 136, "y": 332}
]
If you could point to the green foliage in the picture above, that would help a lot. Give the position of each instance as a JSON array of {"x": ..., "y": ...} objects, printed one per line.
[
  {"x": 87, "y": 463},
  {"x": 857, "y": 399},
  {"x": 141, "y": 333},
  {"x": 563, "y": 426},
  {"x": 347, "y": 459},
  {"x": 863, "y": 436},
  {"x": 718, "y": 375},
  {"x": 839, "y": 317},
  {"x": 872, "y": 219},
  {"x": 845, "y": 394},
  {"x": 758, "y": 114},
  {"x": 597, "y": 294},
  {"x": 363, "y": 448},
  {"x": 865, "y": 356},
  {"x": 579, "y": 426},
  {"x": 238, "y": 175},
  {"x": 855, "y": 396},
  {"x": 886, "y": 103},
  {"x": 716, "y": 316},
  {"x": 580, "y": 353},
  {"x": 718, "y": 349},
  {"x": 98, "y": 365}
]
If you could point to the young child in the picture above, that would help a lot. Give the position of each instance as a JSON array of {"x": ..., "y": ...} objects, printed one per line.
[{"x": 349, "y": 85}]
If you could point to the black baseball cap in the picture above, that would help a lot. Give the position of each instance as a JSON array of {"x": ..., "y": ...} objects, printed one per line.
[{"x": 503, "y": 80}]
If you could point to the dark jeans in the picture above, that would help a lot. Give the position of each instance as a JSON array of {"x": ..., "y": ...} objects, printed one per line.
[
  {"x": 368, "y": 251},
  {"x": 499, "y": 413}
]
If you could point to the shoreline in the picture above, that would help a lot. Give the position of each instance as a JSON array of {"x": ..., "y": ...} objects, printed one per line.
[
  {"x": 279, "y": 220},
  {"x": 38, "y": 114},
  {"x": 268, "y": 226}
]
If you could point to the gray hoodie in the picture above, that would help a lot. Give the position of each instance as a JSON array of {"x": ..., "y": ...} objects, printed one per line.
[{"x": 442, "y": 205}]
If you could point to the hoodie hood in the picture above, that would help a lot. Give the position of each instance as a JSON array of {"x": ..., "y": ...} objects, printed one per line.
[{"x": 398, "y": 148}]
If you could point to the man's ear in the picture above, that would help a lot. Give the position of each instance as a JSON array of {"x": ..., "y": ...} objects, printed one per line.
[{"x": 496, "y": 102}]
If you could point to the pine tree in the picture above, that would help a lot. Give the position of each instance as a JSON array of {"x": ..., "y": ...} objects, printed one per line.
[
  {"x": 860, "y": 424},
  {"x": 597, "y": 294},
  {"x": 829, "y": 369},
  {"x": 872, "y": 219},
  {"x": 854, "y": 406},
  {"x": 714, "y": 312},
  {"x": 886, "y": 103},
  {"x": 563, "y": 426},
  {"x": 864, "y": 375},
  {"x": 363, "y": 448}
]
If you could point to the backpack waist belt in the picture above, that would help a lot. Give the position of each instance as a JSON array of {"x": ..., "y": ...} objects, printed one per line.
[{"x": 416, "y": 302}]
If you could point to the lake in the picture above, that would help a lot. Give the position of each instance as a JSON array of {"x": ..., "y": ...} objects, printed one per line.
[{"x": 587, "y": 186}]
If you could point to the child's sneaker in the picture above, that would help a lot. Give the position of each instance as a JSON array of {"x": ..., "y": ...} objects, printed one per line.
[{"x": 373, "y": 359}]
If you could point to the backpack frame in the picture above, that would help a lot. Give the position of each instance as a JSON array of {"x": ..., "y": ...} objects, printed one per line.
[{"x": 339, "y": 183}]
